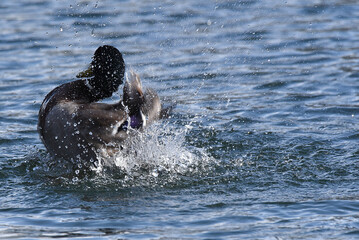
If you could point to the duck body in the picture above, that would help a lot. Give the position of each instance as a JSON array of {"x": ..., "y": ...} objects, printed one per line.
[{"x": 73, "y": 125}]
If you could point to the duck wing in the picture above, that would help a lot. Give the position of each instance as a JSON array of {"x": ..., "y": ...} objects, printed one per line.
[{"x": 144, "y": 106}]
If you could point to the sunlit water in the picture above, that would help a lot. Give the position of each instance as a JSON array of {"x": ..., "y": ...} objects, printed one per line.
[{"x": 262, "y": 142}]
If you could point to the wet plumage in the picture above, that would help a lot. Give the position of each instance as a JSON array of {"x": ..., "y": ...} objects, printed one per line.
[{"x": 74, "y": 126}]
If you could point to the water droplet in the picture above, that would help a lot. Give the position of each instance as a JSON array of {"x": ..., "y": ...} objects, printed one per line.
[
  {"x": 189, "y": 126},
  {"x": 61, "y": 29},
  {"x": 155, "y": 173}
]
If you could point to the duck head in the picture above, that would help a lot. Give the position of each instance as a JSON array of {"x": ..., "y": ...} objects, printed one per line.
[{"x": 106, "y": 72}]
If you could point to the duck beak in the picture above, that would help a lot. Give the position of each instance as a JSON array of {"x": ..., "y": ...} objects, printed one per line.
[{"x": 85, "y": 74}]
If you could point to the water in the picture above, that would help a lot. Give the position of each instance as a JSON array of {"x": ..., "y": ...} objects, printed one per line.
[{"x": 262, "y": 143}]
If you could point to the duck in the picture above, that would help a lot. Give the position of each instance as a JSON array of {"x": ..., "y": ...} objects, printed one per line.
[{"x": 73, "y": 125}]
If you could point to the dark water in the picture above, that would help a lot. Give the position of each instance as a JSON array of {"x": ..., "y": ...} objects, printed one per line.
[{"x": 262, "y": 144}]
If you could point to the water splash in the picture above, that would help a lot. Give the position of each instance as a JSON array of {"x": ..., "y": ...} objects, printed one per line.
[{"x": 159, "y": 154}]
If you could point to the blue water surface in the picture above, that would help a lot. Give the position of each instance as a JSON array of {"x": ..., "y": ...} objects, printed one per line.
[{"x": 262, "y": 142}]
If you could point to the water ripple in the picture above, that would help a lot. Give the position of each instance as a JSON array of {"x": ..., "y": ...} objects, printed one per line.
[{"x": 262, "y": 142}]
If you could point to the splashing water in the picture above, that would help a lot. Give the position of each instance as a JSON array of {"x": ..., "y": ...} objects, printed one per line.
[{"x": 159, "y": 152}]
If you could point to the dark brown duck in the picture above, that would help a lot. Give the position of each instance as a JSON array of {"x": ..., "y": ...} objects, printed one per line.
[{"x": 74, "y": 126}]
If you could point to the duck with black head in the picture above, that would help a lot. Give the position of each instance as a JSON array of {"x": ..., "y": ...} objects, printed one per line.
[{"x": 73, "y": 125}]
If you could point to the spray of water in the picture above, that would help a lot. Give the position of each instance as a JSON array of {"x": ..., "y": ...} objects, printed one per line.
[{"x": 157, "y": 154}]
